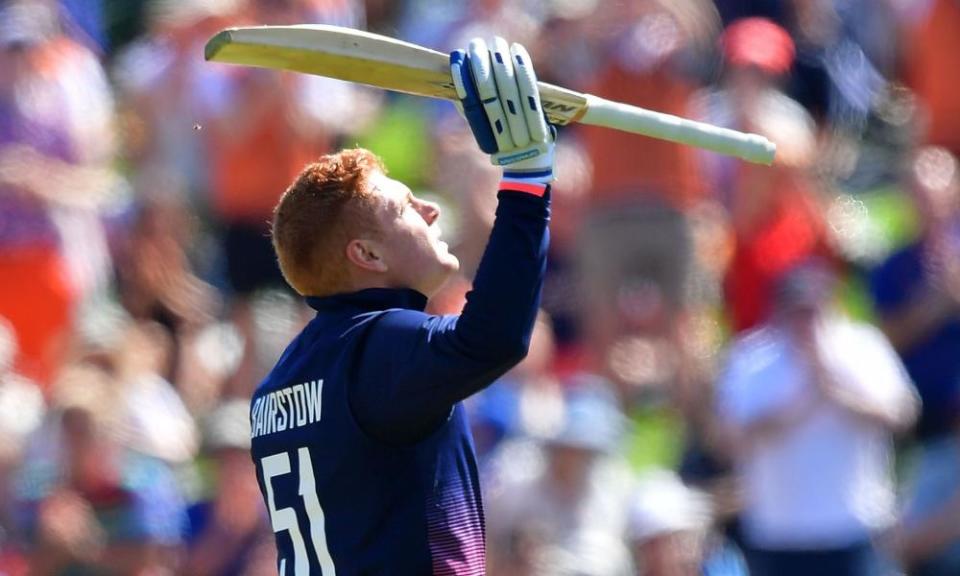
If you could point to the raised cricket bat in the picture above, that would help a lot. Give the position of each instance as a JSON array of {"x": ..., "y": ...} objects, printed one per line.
[{"x": 366, "y": 58}]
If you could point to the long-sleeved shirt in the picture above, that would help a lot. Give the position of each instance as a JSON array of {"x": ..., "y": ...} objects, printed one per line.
[{"x": 362, "y": 450}]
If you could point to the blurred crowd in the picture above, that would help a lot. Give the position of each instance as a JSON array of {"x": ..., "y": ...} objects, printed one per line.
[{"x": 738, "y": 369}]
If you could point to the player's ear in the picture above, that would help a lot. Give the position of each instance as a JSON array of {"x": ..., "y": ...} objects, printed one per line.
[{"x": 366, "y": 255}]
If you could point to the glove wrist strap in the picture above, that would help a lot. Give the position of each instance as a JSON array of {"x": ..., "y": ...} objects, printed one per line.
[{"x": 535, "y": 188}]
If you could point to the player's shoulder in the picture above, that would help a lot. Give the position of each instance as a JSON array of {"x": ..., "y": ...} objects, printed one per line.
[
  {"x": 400, "y": 331},
  {"x": 405, "y": 320}
]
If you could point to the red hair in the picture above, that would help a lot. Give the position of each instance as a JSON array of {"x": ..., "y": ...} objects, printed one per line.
[{"x": 327, "y": 205}]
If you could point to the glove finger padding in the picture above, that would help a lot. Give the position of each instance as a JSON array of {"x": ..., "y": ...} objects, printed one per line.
[
  {"x": 499, "y": 98},
  {"x": 470, "y": 105},
  {"x": 503, "y": 71},
  {"x": 530, "y": 95},
  {"x": 479, "y": 58}
]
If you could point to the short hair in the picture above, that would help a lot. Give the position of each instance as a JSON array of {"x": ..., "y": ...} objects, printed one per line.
[{"x": 327, "y": 205}]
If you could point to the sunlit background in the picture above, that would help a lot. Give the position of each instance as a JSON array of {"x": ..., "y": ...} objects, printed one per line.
[{"x": 737, "y": 368}]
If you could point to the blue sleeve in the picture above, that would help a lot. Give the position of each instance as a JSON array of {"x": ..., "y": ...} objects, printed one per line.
[{"x": 414, "y": 366}]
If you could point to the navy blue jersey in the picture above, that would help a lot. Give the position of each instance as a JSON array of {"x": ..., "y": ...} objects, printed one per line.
[{"x": 362, "y": 450}]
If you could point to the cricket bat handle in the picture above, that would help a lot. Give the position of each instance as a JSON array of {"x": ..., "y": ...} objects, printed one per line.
[
  {"x": 564, "y": 106},
  {"x": 750, "y": 147}
]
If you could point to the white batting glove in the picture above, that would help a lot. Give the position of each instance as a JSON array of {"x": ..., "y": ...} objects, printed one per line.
[{"x": 499, "y": 98}]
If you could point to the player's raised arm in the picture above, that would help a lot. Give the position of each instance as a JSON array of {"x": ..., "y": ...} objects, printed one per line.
[{"x": 415, "y": 367}]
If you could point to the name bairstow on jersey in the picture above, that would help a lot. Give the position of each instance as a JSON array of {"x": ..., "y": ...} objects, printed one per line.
[{"x": 286, "y": 408}]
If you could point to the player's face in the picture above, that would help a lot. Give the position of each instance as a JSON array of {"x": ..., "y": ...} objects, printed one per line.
[{"x": 415, "y": 255}]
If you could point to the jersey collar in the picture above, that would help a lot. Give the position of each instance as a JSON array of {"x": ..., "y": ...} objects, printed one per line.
[{"x": 370, "y": 299}]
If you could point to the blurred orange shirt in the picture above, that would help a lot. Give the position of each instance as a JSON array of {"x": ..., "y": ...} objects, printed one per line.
[
  {"x": 628, "y": 166},
  {"x": 933, "y": 71},
  {"x": 249, "y": 173}
]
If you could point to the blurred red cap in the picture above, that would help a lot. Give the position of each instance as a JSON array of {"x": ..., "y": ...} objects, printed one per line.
[{"x": 758, "y": 42}]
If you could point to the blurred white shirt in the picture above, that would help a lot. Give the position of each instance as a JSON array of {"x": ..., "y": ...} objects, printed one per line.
[{"x": 826, "y": 480}]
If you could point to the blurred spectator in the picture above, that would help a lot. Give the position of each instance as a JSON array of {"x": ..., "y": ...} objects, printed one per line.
[
  {"x": 88, "y": 504},
  {"x": 151, "y": 417},
  {"x": 917, "y": 296},
  {"x": 844, "y": 74},
  {"x": 633, "y": 255},
  {"x": 230, "y": 531},
  {"x": 163, "y": 88},
  {"x": 155, "y": 280},
  {"x": 259, "y": 136},
  {"x": 930, "y": 69},
  {"x": 704, "y": 463},
  {"x": 560, "y": 508},
  {"x": 812, "y": 400},
  {"x": 670, "y": 532},
  {"x": 774, "y": 211},
  {"x": 647, "y": 45},
  {"x": 845, "y": 52},
  {"x": 757, "y": 55},
  {"x": 55, "y": 142}
]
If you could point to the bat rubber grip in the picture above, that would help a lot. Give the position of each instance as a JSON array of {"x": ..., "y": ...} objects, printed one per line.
[{"x": 749, "y": 147}]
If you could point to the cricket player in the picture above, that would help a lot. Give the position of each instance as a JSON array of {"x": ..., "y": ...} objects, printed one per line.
[{"x": 363, "y": 454}]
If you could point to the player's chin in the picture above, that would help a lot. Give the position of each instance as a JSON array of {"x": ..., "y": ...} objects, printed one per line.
[
  {"x": 445, "y": 258},
  {"x": 449, "y": 262}
]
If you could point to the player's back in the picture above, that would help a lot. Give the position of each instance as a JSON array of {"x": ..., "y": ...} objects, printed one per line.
[{"x": 340, "y": 501}]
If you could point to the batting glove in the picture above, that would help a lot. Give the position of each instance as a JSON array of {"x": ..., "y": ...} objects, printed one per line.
[{"x": 498, "y": 95}]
